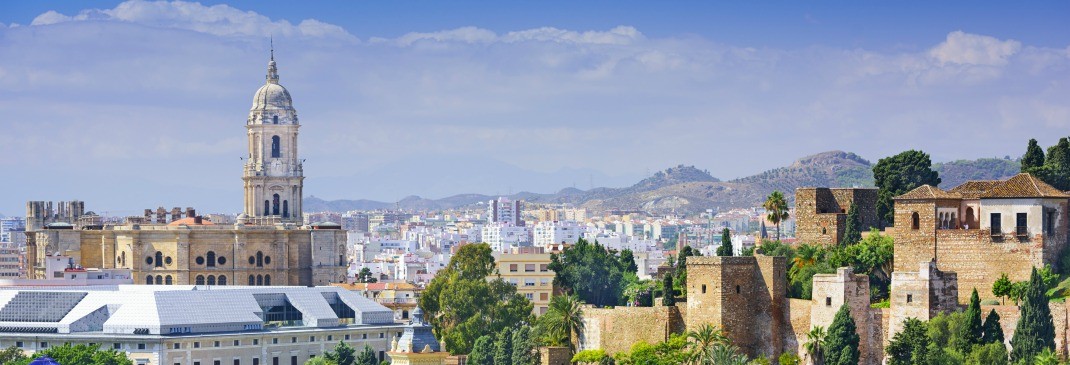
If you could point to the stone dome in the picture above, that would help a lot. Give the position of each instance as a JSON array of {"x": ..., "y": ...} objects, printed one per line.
[{"x": 272, "y": 95}]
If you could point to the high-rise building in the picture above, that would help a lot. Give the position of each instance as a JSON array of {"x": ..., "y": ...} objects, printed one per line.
[
  {"x": 504, "y": 210},
  {"x": 549, "y": 233}
]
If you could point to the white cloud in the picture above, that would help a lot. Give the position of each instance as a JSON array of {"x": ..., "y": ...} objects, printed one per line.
[
  {"x": 973, "y": 49},
  {"x": 220, "y": 20},
  {"x": 620, "y": 35}
]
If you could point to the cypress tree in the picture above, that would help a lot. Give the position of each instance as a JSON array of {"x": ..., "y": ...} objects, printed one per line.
[
  {"x": 523, "y": 347},
  {"x": 971, "y": 330},
  {"x": 842, "y": 339},
  {"x": 482, "y": 351},
  {"x": 726, "y": 244},
  {"x": 1034, "y": 157},
  {"x": 852, "y": 233},
  {"x": 1035, "y": 331},
  {"x": 503, "y": 347},
  {"x": 993, "y": 331},
  {"x": 667, "y": 298}
]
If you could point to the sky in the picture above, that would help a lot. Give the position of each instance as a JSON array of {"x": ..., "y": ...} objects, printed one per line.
[{"x": 133, "y": 105}]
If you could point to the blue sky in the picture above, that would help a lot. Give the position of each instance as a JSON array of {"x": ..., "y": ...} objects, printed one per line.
[{"x": 135, "y": 105}]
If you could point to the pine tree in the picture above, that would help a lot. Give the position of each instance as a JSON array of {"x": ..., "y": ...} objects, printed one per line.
[
  {"x": 1034, "y": 157},
  {"x": 842, "y": 339},
  {"x": 852, "y": 233},
  {"x": 367, "y": 357},
  {"x": 971, "y": 330},
  {"x": 523, "y": 347},
  {"x": 726, "y": 244},
  {"x": 667, "y": 298},
  {"x": 503, "y": 347},
  {"x": 993, "y": 331},
  {"x": 342, "y": 355},
  {"x": 911, "y": 345},
  {"x": 1035, "y": 331},
  {"x": 482, "y": 351}
]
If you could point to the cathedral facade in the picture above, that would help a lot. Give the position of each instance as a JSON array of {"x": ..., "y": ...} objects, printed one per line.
[{"x": 268, "y": 245}]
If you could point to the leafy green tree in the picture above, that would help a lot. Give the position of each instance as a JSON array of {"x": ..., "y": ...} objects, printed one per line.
[
  {"x": 815, "y": 345},
  {"x": 365, "y": 276},
  {"x": 482, "y": 351},
  {"x": 461, "y": 303},
  {"x": 871, "y": 256},
  {"x": 897, "y": 175},
  {"x": 725, "y": 249},
  {"x": 1002, "y": 287},
  {"x": 366, "y": 356},
  {"x": 788, "y": 358},
  {"x": 1046, "y": 357},
  {"x": 1034, "y": 157},
  {"x": 971, "y": 331},
  {"x": 911, "y": 345},
  {"x": 993, "y": 331},
  {"x": 668, "y": 297},
  {"x": 671, "y": 352},
  {"x": 777, "y": 207},
  {"x": 503, "y": 347},
  {"x": 564, "y": 317},
  {"x": 11, "y": 355},
  {"x": 1035, "y": 331},
  {"x": 589, "y": 356},
  {"x": 988, "y": 354},
  {"x": 842, "y": 339},
  {"x": 590, "y": 271},
  {"x": 341, "y": 355},
  {"x": 852, "y": 232},
  {"x": 319, "y": 360},
  {"x": 627, "y": 262},
  {"x": 1056, "y": 169},
  {"x": 83, "y": 354},
  {"x": 524, "y": 347}
]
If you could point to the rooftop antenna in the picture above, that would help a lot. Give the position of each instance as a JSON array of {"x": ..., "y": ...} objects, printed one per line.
[{"x": 272, "y": 40}]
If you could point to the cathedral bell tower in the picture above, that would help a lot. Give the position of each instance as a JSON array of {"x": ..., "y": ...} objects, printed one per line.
[{"x": 273, "y": 174}]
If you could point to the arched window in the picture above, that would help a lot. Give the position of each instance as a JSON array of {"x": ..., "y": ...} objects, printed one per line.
[
  {"x": 200, "y": 280},
  {"x": 404, "y": 314},
  {"x": 259, "y": 259},
  {"x": 915, "y": 221},
  {"x": 275, "y": 119},
  {"x": 167, "y": 280},
  {"x": 148, "y": 280},
  {"x": 211, "y": 279},
  {"x": 159, "y": 259},
  {"x": 222, "y": 280},
  {"x": 259, "y": 280},
  {"x": 159, "y": 280},
  {"x": 341, "y": 260},
  {"x": 276, "y": 149},
  {"x": 267, "y": 280},
  {"x": 252, "y": 280},
  {"x": 210, "y": 258},
  {"x": 286, "y": 209},
  {"x": 267, "y": 207},
  {"x": 275, "y": 204}
]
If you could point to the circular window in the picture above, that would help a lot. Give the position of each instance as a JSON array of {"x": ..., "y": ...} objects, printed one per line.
[
  {"x": 200, "y": 260},
  {"x": 148, "y": 260},
  {"x": 221, "y": 260},
  {"x": 252, "y": 260},
  {"x": 267, "y": 260},
  {"x": 167, "y": 260}
]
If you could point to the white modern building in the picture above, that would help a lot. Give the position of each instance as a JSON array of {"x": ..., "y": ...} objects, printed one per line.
[
  {"x": 551, "y": 232},
  {"x": 501, "y": 237},
  {"x": 197, "y": 325},
  {"x": 504, "y": 210}
]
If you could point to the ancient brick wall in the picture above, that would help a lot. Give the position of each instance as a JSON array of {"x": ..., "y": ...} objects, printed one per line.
[
  {"x": 617, "y": 329},
  {"x": 831, "y": 291},
  {"x": 820, "y": 213},
  {"x": 921, "y": 294},
  {"x": 554, "y": 356},
  {"x": 744, "y": 296},
  {"x": 798, "y": 326}
]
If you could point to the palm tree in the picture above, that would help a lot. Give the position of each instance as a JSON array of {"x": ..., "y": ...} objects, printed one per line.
[
  {"x": 565, "y": 318},
  {"x": 723, "y": 354},
  {"x": 703, "y": 341},
  {"x": 815, "y": 345},
  {"x": 805, "y": 255},
  {"x": 777, "y": 207}
]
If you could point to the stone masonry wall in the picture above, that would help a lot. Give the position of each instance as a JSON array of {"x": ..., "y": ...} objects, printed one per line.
[
  {"x": 831, "y": 291},
  {"x": 617, "y": 329},
  {"x": 821, "y": 213},
  {"x": 1008, "y": 319},
  {"x": 798, "y": 326},
  {"x": 744, "y": 296}
]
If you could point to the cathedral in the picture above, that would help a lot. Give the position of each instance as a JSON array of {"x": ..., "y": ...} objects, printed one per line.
[{"x": 268, "y": 244}]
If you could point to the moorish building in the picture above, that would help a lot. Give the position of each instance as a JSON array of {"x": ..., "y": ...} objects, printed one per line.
[{"x": 268, "y": 245}]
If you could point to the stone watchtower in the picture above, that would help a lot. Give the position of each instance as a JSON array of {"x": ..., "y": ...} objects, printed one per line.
[
  {"x": 744, "y": 296},
  {"x": 273, "y": 174},
  {"x": 821, "y": 213}
]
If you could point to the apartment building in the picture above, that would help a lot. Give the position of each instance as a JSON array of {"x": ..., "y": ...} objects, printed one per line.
[{"x": 531, "y": 275}]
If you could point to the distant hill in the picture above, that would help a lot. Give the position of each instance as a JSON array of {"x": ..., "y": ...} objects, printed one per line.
[
  {"x": 687, "y": 189},
  {"x": 955, "y": 173}
]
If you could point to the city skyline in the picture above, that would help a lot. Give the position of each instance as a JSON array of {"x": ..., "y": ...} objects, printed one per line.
[{"x": 141, "y": 104}]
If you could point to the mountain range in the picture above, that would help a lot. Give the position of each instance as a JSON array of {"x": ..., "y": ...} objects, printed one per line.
[{"x": 687, "y": 189}]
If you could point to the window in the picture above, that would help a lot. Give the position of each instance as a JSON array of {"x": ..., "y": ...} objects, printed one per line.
[
  {"x": 159, "y": 259},
  {"x": 544, "y": 267},
  {"x": 915, "y": 220},
  {"x": 529, "y": 267},
  {"x": 274, "y": 360},
  {"x": 275, "y": 119},
  {"x": 216, "y": 362},
  {"x": 529, "y": 282},
  {"x": 148, "y": 280},
  {"x": 512, "y": 267},
  {"x": 259, "y": 259},
  {"x": 276, "y": 150},
  {"x": 364, "y": 336},
  {"x": 168, "y": 280},
  {"x": 256, "y": 341},
  {"x": 347, "y": 337},
  {"x": 196, "y": 363},
  {"x": 910, "y": 298},
  {"x": 200, "y": 280},
  {"x": 256, "y": 361},
  {"x": 237, "y": 343},
  {"x": 1049, "y": 224},
  {"x": 222, "y": 280},
  {"x": 237, "y": 361},
  {"x": 382, "y": 335},
  {"x": 703, "y": 288},
  {"x": 199, "y": 260},
  {"x": 267, "y": 280},
  {"x": 44, "y": 344},
  {"x": 1022, "y": 221},
  {"x": 252, "y": 280},
  {"x": 211, "y": 279},
  {"x": 293, "y": 339},
  {"x": 177, "y": 346},
  {"x": 275, "y": 204},
  {"x": 196, "y": 345},
  {"x": 311, "y": 338},
  {"x": 274, "y": 341},
  {"x": 217, "y": 344},
  {"x": 148, "y": 260},
  {"x": 222, "y": 260},
  {"x": 529, "y": 296},
  {"x": 210, "y": 258},
  {"x": 159, "y": 279},
  {"x": 996, "y": 221},
  {"x": 293, "y": 360},
  {"x": 544, "y": 296},
  {"x": 330, "y": 338},
  {"x": 140, "y": 346},
  {"x": 828, "y": 301},
  {"x": 18, "y": 344},
  {"x": 267, "y": 260},
  {"x": 167, "y": 260},
  {"x": 737, "y": 289}
]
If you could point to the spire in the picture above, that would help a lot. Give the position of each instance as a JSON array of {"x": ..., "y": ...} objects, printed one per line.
[{"x": 273, "y": 72}]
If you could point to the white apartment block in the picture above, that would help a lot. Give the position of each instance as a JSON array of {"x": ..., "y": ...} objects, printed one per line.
[
  {"x": 554, "y": 232},
  {"x": 502, "y": 237},
  {"x": 504, "y": 210}
]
